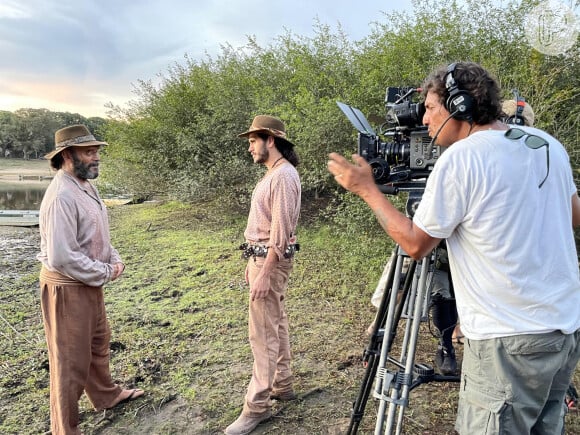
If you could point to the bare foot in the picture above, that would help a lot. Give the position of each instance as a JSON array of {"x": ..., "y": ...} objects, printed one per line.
[{"x": 127, "y": 396}]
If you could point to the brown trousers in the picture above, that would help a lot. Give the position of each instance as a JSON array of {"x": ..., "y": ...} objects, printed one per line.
[
  {"x": 269, "y": 339},
  {"x": 77, "y": 336}
]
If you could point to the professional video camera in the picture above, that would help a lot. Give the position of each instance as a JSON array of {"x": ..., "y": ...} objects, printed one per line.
[{"x": 405, "y": 159}]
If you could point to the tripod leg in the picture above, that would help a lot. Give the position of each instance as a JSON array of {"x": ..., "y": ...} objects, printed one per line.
[
  {"x": 400, "y": 382},
  {"x": 386, "y": 381},
  {"x": 370, "y": 357}
]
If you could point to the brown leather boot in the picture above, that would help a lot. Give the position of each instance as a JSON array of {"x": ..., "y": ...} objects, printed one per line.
[{"x": 246, "y": 424}]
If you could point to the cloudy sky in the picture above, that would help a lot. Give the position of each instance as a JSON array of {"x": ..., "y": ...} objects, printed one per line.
[{"x": 77, "y": 55}]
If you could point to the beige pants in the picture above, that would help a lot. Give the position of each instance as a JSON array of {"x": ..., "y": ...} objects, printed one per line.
[
  {"x": 77, "y": 336},
  {"x": 269, "y": 339}
]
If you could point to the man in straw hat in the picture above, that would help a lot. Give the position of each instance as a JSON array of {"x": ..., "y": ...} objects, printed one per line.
[
  {"x": 270, "y": 246},
  {"x": 77, "y": 260}
]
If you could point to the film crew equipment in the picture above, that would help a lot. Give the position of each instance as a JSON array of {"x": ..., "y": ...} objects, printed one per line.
[
  {"x": 459, "y": 103},
  {"x": 404, "y": 306},
  {"x": 406, "y": 157},
  {"x": 401, "y": 164},
  {"x": 517, "y": 118}
]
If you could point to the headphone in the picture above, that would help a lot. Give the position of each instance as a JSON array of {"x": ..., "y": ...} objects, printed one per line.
[
  {"x": 459, "y": 103},
  {"x": 518, "y": 117}
]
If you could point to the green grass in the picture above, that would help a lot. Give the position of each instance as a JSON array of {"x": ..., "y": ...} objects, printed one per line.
[{"x": 179, "y": 330}]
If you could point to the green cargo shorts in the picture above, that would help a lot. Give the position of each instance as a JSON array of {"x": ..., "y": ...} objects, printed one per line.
[{"x": 516, "y": 384}]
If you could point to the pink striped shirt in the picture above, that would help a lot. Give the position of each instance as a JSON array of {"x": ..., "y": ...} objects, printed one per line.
[{"x": 275, "y": 209}]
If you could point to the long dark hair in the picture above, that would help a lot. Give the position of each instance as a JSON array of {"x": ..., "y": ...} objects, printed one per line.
[
  {"x": 285, "y": 148},
  {"x": 287, "y": 151}
]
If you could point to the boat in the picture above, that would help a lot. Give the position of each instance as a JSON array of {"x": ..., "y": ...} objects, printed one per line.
[{"x": 19, "y": 218}]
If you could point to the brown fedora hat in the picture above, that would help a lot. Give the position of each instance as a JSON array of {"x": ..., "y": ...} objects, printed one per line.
[
  {"x": 269, "y": 125},
  {"x": 72, "y": 136}
]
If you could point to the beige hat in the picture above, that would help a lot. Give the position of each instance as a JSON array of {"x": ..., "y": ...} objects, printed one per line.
[
  {"x": 72, "y": 136},
  {"x": 510, "y": 107},
  {"x": 269, "y": 125}
]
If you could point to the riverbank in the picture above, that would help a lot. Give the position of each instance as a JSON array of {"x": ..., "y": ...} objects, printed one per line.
[{"x": 12, "y": 169}]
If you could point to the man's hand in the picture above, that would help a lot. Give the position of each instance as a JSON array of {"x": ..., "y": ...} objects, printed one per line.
[
  {"x": 118, "y": 269},
  {"x": 357, "y": 177},
  {"x": 260, "y": 287}
]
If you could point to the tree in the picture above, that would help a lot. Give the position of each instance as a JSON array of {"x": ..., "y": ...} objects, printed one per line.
[{"x": 180, "y": 138}]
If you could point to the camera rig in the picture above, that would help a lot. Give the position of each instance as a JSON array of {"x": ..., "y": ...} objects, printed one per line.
[
  {"x": 402, "y": 162},
  {"x": 406, "y": 157}
]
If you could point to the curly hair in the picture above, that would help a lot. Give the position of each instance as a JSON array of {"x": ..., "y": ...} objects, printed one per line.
[{"x": 477, "y": 82}]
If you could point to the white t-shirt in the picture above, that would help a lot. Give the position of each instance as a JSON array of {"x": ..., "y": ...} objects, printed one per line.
[{"x": 511, "y": 245}]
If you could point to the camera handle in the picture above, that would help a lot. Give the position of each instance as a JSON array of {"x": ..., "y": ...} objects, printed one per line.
[{"x": 406, "y": 298}]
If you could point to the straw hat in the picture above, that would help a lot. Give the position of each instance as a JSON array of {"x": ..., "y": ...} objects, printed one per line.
[
  {"x": 269, "y": 125},
  {"x": 73, "y": 136},
  {"x": 509, "y": 108}
]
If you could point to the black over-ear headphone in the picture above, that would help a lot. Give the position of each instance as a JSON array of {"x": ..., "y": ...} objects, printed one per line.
[
  {"x": 518, "y": 117},
  {"x": 459, "y": 103}
]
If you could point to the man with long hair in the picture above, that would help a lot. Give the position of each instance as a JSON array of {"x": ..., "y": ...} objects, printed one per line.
[{"x": 269, "y": 248}]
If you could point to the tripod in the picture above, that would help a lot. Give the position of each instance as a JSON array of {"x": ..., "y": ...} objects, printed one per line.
[{"x": 393, "y": 377}]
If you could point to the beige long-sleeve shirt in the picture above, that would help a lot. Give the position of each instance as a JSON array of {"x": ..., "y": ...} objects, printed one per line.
[
  {"x": 275, "y": 209},
  {"x": 74, "y": 230}
]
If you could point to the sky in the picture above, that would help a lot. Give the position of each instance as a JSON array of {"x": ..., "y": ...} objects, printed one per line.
[{"x": 78, "y": 55}]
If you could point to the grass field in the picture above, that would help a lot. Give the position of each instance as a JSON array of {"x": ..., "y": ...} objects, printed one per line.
[{"x": 179, "y": 329}]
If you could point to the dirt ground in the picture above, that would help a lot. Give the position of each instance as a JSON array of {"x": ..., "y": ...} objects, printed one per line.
[
  {"x": 322, "y": 411},
  {"x": 18, "y": 246}
]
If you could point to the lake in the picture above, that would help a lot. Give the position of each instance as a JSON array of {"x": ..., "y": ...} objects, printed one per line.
[{"x": 21, "y": 196}]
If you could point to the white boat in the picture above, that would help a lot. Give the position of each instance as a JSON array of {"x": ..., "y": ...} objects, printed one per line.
[{"x": 19, "y": 218}]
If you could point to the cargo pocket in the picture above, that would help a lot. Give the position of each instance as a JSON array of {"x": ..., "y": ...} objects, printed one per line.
[
  {"x": 552, "y": 342},
  {"x": 482, "y": 412}
]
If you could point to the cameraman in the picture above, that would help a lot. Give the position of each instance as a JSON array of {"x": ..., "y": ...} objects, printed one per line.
[
  {"x": 516, "y": 112},
  {"x": 505, "y": 201}
]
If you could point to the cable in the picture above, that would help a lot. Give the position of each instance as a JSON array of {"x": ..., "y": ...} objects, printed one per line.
[{"x": 430, "y": 147}]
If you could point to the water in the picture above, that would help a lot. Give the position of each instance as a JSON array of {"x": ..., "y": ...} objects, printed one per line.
[{"x": 15, "y": 196}]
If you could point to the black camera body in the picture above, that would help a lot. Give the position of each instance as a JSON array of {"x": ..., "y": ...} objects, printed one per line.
[
  {"x": 402, "y": 155},
  {"x": 405, "y": 155}
]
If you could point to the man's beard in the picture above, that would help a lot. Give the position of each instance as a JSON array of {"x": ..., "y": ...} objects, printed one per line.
[
  {"x": 82, "y": 170},
  {"x": 263, "y": 156}
]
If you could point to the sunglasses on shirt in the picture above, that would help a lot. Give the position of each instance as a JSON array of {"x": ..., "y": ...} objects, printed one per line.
[{"x": 534, "y": 142}]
